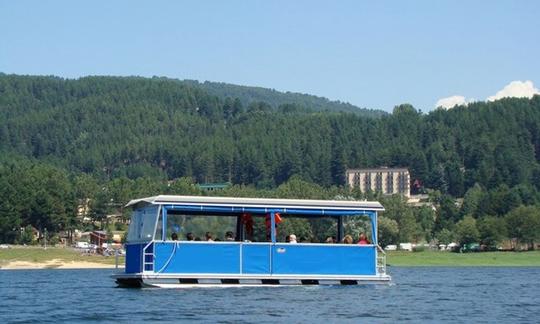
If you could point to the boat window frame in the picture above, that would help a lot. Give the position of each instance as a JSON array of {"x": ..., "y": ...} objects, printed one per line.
[
  {"x": 139, "y": 214},
  {"x": 339, "y": 214}
]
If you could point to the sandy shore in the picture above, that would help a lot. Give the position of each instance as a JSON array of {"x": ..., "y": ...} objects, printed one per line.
[{"x": 55, "y": 264}]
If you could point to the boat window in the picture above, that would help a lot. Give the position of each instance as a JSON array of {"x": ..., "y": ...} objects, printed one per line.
[
  {"x": 159, "y": 228},
  {"x": 142, "y": 224},
  {"x": 307, "y": 229},
  {"x": 357, "y": 225},
  {"x": 199, "y": 225}
]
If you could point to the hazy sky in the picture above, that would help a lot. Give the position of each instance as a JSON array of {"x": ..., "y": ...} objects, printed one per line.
[{"x": 374, "y": 54}]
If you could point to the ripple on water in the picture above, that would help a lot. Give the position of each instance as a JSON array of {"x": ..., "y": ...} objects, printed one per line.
[{"x": 417, "y": 295}]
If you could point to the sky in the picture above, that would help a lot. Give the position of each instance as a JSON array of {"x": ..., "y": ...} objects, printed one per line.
[{"x": 373, "y": 54}]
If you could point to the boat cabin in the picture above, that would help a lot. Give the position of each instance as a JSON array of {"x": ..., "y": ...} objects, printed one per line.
[{"x": 180, "y": 241}]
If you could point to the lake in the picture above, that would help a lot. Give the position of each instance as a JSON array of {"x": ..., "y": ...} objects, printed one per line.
[{"x": 434, "y": 294}]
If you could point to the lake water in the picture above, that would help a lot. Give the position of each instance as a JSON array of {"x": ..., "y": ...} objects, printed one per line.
[{"x": 480, "y": 295}]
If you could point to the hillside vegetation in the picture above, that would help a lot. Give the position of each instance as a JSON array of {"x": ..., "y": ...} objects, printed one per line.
[{"x": 101, "y": 138}]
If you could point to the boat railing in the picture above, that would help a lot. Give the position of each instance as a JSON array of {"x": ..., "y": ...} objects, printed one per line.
[
  {"x": 381, "y": 261},
  {"x": 148, "y": 266}
]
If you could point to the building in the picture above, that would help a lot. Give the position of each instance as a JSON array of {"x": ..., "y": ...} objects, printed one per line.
[
  {"x": 98, "y": 238},
  {"x": 214, "y": 186},
  {"x": 388, "y": 181}
]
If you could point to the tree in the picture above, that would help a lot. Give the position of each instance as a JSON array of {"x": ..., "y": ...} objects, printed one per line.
[
  {"x": 10, "y": 218},
  {"x": 492, "y": 230},
  {"x": 447, "y": 213},
  {"x": 100, "y": 207},
  {"x": 472, "y": 200},
  {"x": 183, "y": 186},
  {"x": 466, "y": 230},
  {"x": 397, "y": 209},
  {"x": 523, "y": 224},
  {"x": 425, "y": 218},
  {"x": 299, "y": 189},
  {"x": 388, "y": 231},
  {"x": 445, "y": 236},
  {"x": 27, "y": 235}
]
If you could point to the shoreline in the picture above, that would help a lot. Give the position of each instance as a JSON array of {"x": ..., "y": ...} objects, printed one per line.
[{"x": 56, "y": 264}]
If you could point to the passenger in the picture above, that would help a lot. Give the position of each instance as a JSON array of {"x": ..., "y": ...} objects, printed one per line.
[
  {"x": 288, "y": 239},
  {"x": 189, "y": 236},
  {"x": 174, "y": 237},
  {"x": 229, "y": 236},
  {"x": 208, "y": 237},
  {"x": 292, "y": 239},
  {"x": 330, "y": 240},
  {"x": 363, "y": 239},
  {"x": 348, "y": 239}
]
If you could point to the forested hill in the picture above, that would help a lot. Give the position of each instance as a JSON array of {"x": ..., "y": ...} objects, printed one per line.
[
  {"x": 275, "y": 98},
  {"x": 152, "y": 86},
  {"x": 136, "y": 127}
]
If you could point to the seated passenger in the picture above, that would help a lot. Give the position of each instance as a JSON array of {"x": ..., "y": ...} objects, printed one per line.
[
  {"x": 363, "y": 239},
  {"x": 330, "y": 240},
  {"x": 292, "y": 239},
  {"x": 208, "y": 237},
  {"x": 189, "y": 236},
  {"x": 288, "y": 239},
  {"x": 229, "y": 236},
  {"x": 174, "y": 237},
  {"x": 348, "y": 239}
]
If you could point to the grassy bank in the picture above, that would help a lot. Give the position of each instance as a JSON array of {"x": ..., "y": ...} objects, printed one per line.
[
  {"x": 484, "y": 259},
  {"x": 40, "y": 255}
]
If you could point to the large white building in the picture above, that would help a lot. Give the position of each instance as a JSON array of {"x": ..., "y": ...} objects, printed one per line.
[{"x": 388, "y": 181}]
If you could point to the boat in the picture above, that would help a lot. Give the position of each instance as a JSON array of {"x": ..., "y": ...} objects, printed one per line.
[{"x": 161, "y": 250}]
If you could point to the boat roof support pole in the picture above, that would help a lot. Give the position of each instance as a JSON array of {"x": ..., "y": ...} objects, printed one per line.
[
  {"x": 239, "y": 229},
  {"x": 164, "y": 224},
  {"x": 373, "y": 217},
  {"x": 273, "y": 226},
  {"x": 339, "y": 229}
]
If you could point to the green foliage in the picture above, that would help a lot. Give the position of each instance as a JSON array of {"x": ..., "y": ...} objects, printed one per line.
[
  {"x": 296, "y": 188},
  {"x": 466, "y": 231},
  {"x": 445, "y": 236},
  {"x": 492, "y": 230},
  {"x": 354, "y": 226},
  {"x": 101, "y": 141},
  {"x": 297, "y": 226},
  {"x": 523, "y": 224},
  {"x": 425, "y": 218},
  {"x": 183, "y": 186},
  {"x": 388, "y": 231},
  {"x": 473, "y": 198},
  {"x": 447, "y": 213},
  {"x": 27, "y": 236},
  {"x": 120, "y": 227},
  {"x": 285, "y": 101},
  {"x": 396, "y": 208},
  {"x": 109, "y": 127}
]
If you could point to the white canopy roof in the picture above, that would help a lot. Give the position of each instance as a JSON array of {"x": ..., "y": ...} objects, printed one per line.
[{"x": 260, "y": 202}]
